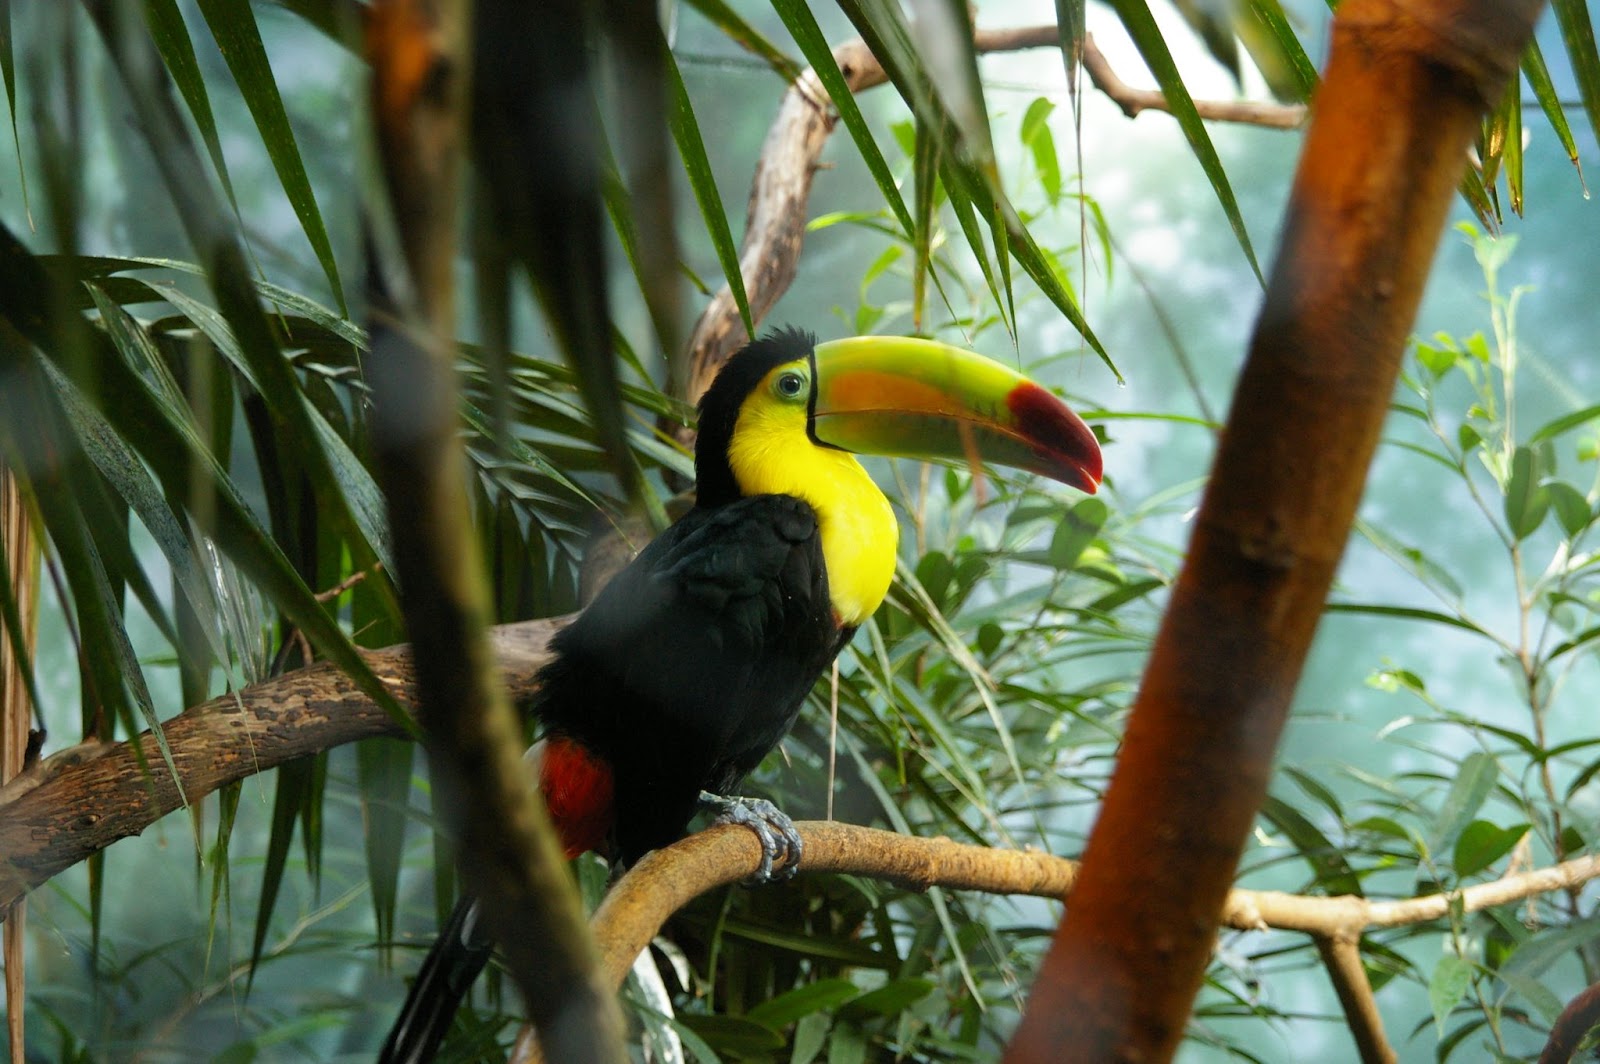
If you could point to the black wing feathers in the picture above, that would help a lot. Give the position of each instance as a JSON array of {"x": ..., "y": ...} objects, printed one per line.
[{"x": 692, "y": 663}]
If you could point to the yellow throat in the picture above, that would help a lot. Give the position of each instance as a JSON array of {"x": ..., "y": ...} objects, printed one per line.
[{"x": 771, "y": 454}]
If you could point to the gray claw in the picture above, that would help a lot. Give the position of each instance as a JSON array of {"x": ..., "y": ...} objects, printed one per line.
[{"x": 772, "y": 827}]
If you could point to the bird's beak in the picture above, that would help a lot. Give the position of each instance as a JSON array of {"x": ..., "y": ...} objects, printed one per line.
[{"x": 900, "y": 397}]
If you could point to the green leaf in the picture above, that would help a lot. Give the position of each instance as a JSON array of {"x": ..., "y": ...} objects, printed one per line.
[
  {"x": 1564, "y": 424},
  {"x": 1333, "y": 872},
  {"x": 1474, "y": 781},
  {"x": 1527, "y": 500},
  {"x": 888, "y": 1000},
  {"x": 746, "y": 36},
  {"x": 692, "y": 149},
  {"x": 1277, "y": 51},
  {"x": 802, "y": 26},
  {"x": 124, "y": 472},
  {"x": 1577, "y": 33},
  {"x": 1448, "y": 984},
  {"x": 170, "y": 444},
  {"x": 1072, "y": 25},
  {"x": 1542, "y": 998},
  {"x": 166, "y": 26},
  {"x": 925, "y": 172},
  {"x": 358, "y": 491},
  {"x": 1571, "y": 507},
  {"x": 1549, "y": 100},
  {"x": 383, "y": 768},
  {"x": 1076, "y": 531},
  {"x": 8, "y": 73},
  {"x": 1141, "y": 26},
  {"x": 293, "y": 792},
  {"x": 733, "y": 1035},
  {"x": 779, "y": 1012},
  {"x": 1482, "y": 844},
  {"x": 1039, "y": 141},
  {"x": 1437, "y": 361},
  {"x": 233, "y": 26}
]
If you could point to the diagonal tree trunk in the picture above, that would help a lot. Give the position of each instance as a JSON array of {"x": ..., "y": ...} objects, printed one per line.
[{"x": 1405, "y": 88}]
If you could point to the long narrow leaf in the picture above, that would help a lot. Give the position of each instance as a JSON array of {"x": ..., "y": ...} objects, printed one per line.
[
  {"x": 8, "y": 73},
  {"x": 1549, "y": 100},
  {"x": 165, "y": 23},
  {"x": 1577, "y": 33},
  {"x": 692, "y": 149},
  {"x": 233, "y": 25},
  {"x": 172, "y": 447},
  {"x": 1141, "y": 26},
  {"x": 802, "y": 26}
]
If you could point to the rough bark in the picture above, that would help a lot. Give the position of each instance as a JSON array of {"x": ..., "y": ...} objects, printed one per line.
[{"x": 1404, "y": 91}]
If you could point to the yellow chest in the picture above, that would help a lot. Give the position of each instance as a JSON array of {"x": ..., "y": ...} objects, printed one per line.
[{"x": 859, "y": 534}]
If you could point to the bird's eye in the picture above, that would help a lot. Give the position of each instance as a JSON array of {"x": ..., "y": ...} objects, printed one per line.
[{"x": 790, "y": 385}]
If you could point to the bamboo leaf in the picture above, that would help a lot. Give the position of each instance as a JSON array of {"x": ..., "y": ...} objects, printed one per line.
[
  {"x": 747, "y": 36},
  {"x": 1577, "y": 33},
  {"x": 802, "y": 26},
  {"x": 166, "y": 26},
  {"x": 169, "y": 443},
  {"x": 692, "y": 149},
  {"x": 233, "y": 26},
  {"x": 1277, "y": 51},
  {"x": 1072, "y": 25},
  {"x": 289, "y": 800},
  {"x": 1538, "y": 76},
  {"x": 384, "y": 771},
  {"x": 8, "y": 74},
  {"x": 1141, "y": 26}
]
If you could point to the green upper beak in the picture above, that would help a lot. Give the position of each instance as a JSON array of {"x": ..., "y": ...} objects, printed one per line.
[{"x": 899, "y": 397}]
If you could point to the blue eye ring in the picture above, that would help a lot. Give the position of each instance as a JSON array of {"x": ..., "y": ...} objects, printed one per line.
[{"x": 790, "y": 385}]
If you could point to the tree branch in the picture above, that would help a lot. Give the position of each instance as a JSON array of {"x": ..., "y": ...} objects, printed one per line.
[
  {"x": 1406, "y": 86},
  {"x": 1580, "y": 1017},
  {"x": 664, "y": 881},
  {"x": 80, "y": 800},
  {"x": 1132, "y": 100}
]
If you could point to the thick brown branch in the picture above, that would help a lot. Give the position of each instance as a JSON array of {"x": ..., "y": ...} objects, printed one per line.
[
  {"x": 82, "y": 799},
  {"x": 1406, "y": 86}
]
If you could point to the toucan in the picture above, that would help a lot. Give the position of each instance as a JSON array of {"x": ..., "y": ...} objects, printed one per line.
[{"x": 692, "y": 663}]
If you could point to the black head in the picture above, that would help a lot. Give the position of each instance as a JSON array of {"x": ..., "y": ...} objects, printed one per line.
[{"x": 719, "y": 408}]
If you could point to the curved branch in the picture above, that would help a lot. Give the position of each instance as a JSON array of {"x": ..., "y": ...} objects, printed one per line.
[
  {"x": 664, "y": 881},
  {"x": 82, "y": 799},
  {"x": 1580, "y": 1017}
]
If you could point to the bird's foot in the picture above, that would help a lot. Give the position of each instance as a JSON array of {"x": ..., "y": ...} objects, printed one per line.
[{"x": 771, "y": 825}]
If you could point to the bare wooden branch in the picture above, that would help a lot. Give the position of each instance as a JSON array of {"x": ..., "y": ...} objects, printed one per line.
[
  {"x": 638, "y": 905},
  {"x": 1341, "y": 955},
  {"x": 1132, "y": 100},
  {"x": 80, "y": 800}
]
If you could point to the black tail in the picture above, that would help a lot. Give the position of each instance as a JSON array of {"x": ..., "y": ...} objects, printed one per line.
[{"x": 446, "y": 975}]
